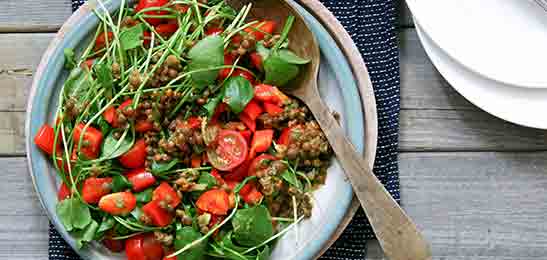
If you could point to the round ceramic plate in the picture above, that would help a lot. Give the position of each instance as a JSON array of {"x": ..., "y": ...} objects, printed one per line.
[
  {"x": 500, "y": 40},
  {"x": 338, "y": 86},
  {"x": 523, "y": 106}
]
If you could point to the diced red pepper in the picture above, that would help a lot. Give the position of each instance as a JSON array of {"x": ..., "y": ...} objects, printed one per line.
[
  {"x": 160, "y": 216},
  {"x": 110, "y": 115},
  {"x": 95, "y": 188},
  {"x": 272, "y": 109},
  {"x": 221, "y": 108},
  {"x": 268, "y": 93},
  {"x": 88, "y": 63},
  {"x": 118, "y": 204},
  {"x": 229, "y": 59},
  {"x": 165, "y": 30},
  {"x": 45, "y": 139},
  {"x": 166, "y": 193},
  {"x": 100, "y": 42},
  {"x": 194, "y": 122},
  {"x": 215, "y": 201},
  {"x": 284, "y": 138},
  {"x": 253, "y": 110},
  {"x": 262, "y": 27},
  {"x": 140, "y": 179},
  {"x": 143, "y": 126},
  {"x": 262, "y": 140},
  {"x": 169, "y": 258},
  {"x": 64, "y": 192},
  {"x": 243, "y": 73},
  {"x": 247, "y": 135},
  {"x": 256, "y": 60},
  {"x": 92, "y": 138},
  {"x": 214, "y": 31},
  {"x": 251, "y": 124},
  {"x": 136, "y": 156},
  {"x": 195, "y": 162},
  {"x": 253, "y": 196},
  {"x": 114, "y": 245}
]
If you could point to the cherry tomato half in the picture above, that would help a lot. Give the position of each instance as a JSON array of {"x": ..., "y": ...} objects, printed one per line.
[
  {"x": 95, "y": 188},
  {"x": 120, "y": 203},
  {"x": 143, "y": 247},
  {"x": 140, "y": 179},
  {"x": 229, "y": 150}
]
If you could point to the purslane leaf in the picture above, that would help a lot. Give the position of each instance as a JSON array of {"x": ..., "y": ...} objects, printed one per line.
[
  {"x": 278, "y": 71},
  {"x": 208, "y": 53},
  {"x": 238, "y": 92},
  {"x": 131, "y": 38},
  {"x": 252, "y": 226}
]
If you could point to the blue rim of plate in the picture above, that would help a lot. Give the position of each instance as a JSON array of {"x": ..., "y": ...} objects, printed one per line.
[{"x": 42, "y": 102}]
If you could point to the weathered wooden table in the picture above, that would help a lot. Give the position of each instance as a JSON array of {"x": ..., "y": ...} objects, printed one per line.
[{"x": 475, "y": 184}]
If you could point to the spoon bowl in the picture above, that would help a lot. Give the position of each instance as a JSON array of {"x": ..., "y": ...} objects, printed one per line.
[{"x": 398, "y": 235}]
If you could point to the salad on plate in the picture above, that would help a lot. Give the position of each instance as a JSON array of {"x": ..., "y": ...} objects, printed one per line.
[{"x": 173, "y": 138}]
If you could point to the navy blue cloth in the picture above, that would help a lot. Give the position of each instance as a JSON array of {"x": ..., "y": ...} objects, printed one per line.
[{"x": 371, "y": 24}]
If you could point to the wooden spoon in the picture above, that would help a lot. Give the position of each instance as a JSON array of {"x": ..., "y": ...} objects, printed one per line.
[{"x": 397, "y": 234}]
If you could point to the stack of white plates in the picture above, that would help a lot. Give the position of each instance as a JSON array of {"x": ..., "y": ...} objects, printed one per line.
[{"x": 493, "y": 52}]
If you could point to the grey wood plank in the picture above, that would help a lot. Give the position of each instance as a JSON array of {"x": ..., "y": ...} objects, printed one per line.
[
  {"x": 422, "y": 87},
  {"x": 33, "y": 15},
  {"x": 470, "y": 205},
  {"x": 20, "y": 54}
]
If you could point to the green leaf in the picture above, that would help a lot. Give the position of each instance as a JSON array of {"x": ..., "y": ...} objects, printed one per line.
[
  {"x": 113, "y": 147},
  {"x": 206, "y": 54},
  {"x": 158, "y": 168},
  {"x": 252, "y": 226},
  {"x": 291, "y": 58},
  {"x": 262, "y": 51},
  {"x": 238, "y": 91},
  {"x": 212, "y": 104},
  {"x": 136, "y": 213},
  {"x": 291, "y": 178},
  {"x": 85, "y": 235},
  {"x": 107, "y": 223},
  {"x": 264, "y": 254},
  {"x": 205, "y": 178},
  {"x": 74, "y": 214},
  {"x": 70, "y": 61},
  {"x": 185, "y": 236},
  {"x": 131, "y": 37},
  {"x": 278, "y": 71},
  {"x": 104, "y": 77},
  {"x": 120, "y": 183},
  {"x": 103, "y": 124},
  {"x": 78, "y": 82},
  {"x": 145, "y": 196}
]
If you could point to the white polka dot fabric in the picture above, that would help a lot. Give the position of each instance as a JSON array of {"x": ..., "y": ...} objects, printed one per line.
[{"x": 371, "y": 24}]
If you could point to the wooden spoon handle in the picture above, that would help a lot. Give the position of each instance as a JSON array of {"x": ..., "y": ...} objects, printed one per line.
[{"x": 397, "y": 234}]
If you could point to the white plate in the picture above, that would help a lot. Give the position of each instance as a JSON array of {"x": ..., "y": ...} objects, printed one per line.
[
  {"x": 504, "y": 40},
  {"x": 523, "y": 106}
]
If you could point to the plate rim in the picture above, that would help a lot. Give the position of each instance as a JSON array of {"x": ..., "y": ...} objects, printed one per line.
[{"x": 329, "y": 22}]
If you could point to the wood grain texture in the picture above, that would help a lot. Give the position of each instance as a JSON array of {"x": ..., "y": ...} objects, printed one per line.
[
  {"x": 470, "y": 205},
  {"x": 434, "y": 116},
  {"x": 33, "y": 16}
]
